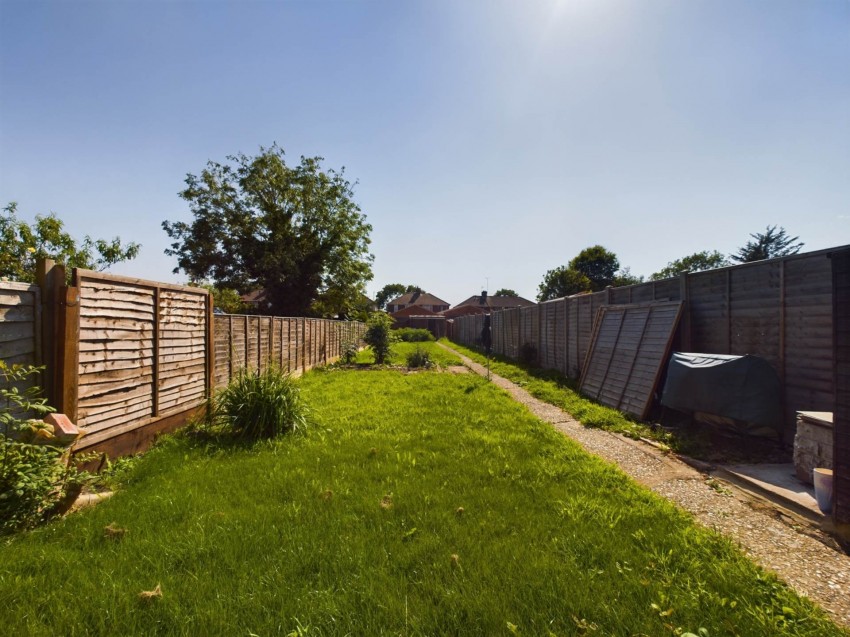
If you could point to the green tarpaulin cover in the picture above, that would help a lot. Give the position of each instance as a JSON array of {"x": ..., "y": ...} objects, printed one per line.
[{"x": 743, "y": 388}]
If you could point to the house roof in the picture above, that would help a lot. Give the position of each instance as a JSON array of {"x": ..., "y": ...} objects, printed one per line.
[
  {"x": 422, "y": 298},
  {"x": 414, "y": 310},
  {"x": 254, "y": 297},
  {"x": 496, "y": 302},
  {"x": 465, "y": 310}
]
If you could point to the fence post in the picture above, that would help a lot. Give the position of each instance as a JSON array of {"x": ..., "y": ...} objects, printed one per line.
[
  {"x": 68, "y": 352},
  {"x": 157, "y": 294},
  {"x": 685, "y": 324},
  {"x": 210, "y": 334},
  {"x": 303, "y": 344},
  {"x": 49, "y": 278}
]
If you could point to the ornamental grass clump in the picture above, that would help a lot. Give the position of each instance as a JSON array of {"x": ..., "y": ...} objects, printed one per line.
[{"x": 260, "y": 404}]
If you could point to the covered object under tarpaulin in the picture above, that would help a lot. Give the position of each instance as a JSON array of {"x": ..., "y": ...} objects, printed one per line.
[{"x": 743, "y": 389}]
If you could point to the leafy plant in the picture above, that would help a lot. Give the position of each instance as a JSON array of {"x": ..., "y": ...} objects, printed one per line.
[
  {"x": 36, "y": 474},
  {"x": 419, "y": 358},
  {"x": 414, "y": 335},
  {"x": 22, "y": 244},
  {"x": 379, "y": 335},
  {"x": 348, "y": 354},
  {"x": 260, "y": 404}
]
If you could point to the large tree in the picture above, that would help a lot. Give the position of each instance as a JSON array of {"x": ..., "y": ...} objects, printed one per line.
[
  {"x": 768, "y": 245},
  {"x": 505, "y": 292},
  {"x": 597, "y": 264},
  {"x": 391, "y": 291},
  {"x": 696, "y": 262},
  {"x": 562, "y": 281},
  {"x": 294, "y": 231},
  {"x": 22, "y": 244}
]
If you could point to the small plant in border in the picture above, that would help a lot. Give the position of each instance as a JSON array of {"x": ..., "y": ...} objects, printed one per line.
[
  {"x": 36, "y": 473},
  {"x": 259, "y": 404}
]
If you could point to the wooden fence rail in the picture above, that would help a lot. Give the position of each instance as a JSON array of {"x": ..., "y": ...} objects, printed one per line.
[{"x": 294, "y": 345}]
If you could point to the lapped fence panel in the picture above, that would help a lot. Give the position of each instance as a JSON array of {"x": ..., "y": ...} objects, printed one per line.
[{"x": 143, "y": 353}]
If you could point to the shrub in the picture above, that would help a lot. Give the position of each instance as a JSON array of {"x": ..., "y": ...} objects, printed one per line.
[
  {"x": 260, "y": 404},
  {"x": 528, "y": 354},
  {"x": 378, "y": 335},
  {"x": 348, "y": 354},
  {"x": 36, "y": 475},
  {"x": 419, "y": 358},
  {"x": 414, "y": 335}
]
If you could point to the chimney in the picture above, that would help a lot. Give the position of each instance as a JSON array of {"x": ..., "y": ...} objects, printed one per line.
[
  {"x": 415, "y": 296},
  {"x": 483, "y": 299}
]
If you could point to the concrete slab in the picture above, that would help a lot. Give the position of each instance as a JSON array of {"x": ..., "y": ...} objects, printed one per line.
[{"x": 777, "y": 480}]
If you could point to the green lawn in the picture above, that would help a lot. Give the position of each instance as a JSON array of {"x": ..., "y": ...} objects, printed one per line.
[
  {"x": 400, "y": 351},
  {"x": 415, "y": 504},
  {"x": 554, "y": 388}
]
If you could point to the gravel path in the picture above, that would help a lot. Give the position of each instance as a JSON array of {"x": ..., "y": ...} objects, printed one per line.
[{"x": 807, "y": 564}]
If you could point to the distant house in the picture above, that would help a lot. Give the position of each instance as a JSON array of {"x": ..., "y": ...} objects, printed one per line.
[
  {"x": 420, "y": 317},
  {"x": 413, "y": 310},
  {"x": 483, "y": 304},
  {"x": 418, "y": 298},
  {"x": 257, "y": 300}
]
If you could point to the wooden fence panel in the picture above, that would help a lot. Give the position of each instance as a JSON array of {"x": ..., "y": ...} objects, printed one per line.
[
  {"x": 840, "y": 262},
  {"x": 20, "y": 329},
  {"x": 117, "y": 342},
  {"x": 808, "y": 337},
  {"x": 755, "y": 310},
  {"x": 142, "y": 354},
  {"x": 20, "y": 323},
  {"x": 279, "y": 341},
  {"x": 709, "y": 311},
  {"x": 630, "y": 347},
  {"x": 182, "y": 382}
]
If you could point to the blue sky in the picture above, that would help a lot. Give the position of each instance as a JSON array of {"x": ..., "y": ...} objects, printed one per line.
[{"x": 491, "y": 140}]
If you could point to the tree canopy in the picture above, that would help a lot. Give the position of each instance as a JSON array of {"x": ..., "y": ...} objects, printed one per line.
[
  {"x": 505, "y": 292},
  {"x": 22, "y": 244},
  {"x": 768, "y": 245},
  {"x": 562, "y": 281},
  {"x": 391, "y": 291},
  {"x": 598, "y": 265},
  {"x": 696, "y": 262},
  {"x": 625, "y": 277},
  {"x": 227, "y": 300},
  {"x": 294, "y": 231}
]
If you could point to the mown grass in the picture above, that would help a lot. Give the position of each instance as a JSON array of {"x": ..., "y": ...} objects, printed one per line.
[
  {"x": 556, "y": 389},
  {"x": 414, "y": 504},
  {"x": 400, "y": 350}
]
